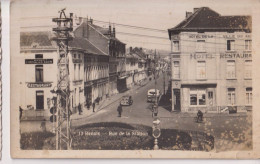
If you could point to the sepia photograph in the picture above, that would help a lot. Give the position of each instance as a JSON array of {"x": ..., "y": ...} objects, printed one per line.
[{"x": 147, "y": 78}]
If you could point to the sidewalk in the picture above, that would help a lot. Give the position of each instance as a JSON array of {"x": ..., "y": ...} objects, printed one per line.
[{"x": 105, "y": 103}]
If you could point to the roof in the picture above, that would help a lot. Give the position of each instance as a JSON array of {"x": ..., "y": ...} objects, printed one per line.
[
  {"x": 206, "y": 19},
  {"x": 43, "y": 40}
]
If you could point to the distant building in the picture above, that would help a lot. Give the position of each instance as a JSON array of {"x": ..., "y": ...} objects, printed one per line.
[{"x": 211, "y": 62}]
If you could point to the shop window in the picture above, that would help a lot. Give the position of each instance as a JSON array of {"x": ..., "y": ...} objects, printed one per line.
[
  {"x": 248, "y": 69},
  {"x": 248, "y": 45},
  {"x": 201, "y": 70},
  {"x": 231, "y": 69},
  {"x": 176, "y": 70},
  {"x": 230, "y": 45},
  {"x": 200, "y": 46},
  {"x": 197, "y": 97},
  {"x": 231, "y": 96},
  {"x": 249, "y": 95},
  {"x": 38, "y": 56},
  {"x": 39, "y": 73},
  {"x": 176, "y": 46}
]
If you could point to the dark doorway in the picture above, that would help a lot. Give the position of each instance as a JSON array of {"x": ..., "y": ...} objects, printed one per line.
[
  {"x": 177, "y": 99},
  {"x": 39, "y": 100}
]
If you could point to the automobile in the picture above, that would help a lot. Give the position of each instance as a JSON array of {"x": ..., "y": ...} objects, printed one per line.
[
  {"x": 126, "y": 100},
  {"x": 152, "y": 95}
]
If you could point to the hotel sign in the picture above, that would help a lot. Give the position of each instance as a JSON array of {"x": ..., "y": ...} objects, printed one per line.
[
  {"x": 39, "y": 85},
  {"x": 222, "y": 56},
  {"x": 38, "y": 61}
]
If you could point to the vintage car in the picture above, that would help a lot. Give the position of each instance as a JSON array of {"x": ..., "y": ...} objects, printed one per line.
[
  {"x": 126, "y": 100},
  {"x": 152, "y": 95}
]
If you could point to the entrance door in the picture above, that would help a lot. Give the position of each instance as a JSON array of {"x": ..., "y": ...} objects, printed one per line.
[
  {"x": 39, "y": 100},
  {"x": 177, "y": 99}
]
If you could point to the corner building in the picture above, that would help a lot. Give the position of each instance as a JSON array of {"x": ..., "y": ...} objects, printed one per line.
[{"x": 211, "y": 62}]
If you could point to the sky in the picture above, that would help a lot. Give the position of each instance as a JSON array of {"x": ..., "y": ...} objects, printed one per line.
[{"x": 157, "y": 14}]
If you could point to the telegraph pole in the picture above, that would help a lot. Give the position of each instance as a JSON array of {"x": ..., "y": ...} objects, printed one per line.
[{"x": 62, "y": 37}]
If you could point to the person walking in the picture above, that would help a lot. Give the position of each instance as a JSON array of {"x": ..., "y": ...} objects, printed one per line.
[
  {"x": 79, "y": 108},
  {"x": 93, "y": 105},
  {"x": 119, "y": 110},
  {"x": 88, "y": 105}
]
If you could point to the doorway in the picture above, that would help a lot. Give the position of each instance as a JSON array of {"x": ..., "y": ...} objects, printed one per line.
[
  {"x": 177, "y": 99},
  {"x": 39, "y": 100}
]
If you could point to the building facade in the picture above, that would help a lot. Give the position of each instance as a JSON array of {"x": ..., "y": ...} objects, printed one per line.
[
  {"x": 211, "y": 63},
  {"x": 104, "y": 39}
]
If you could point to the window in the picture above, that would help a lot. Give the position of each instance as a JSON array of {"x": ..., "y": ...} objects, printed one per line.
[
  {"x": 75, "y": 66},
  {"x": 197, "y": 97},
  {"x": 201, "y": 70},
  {"x": 210, "y": 94},
  {"x": 248, "y": 69},
  {"x": 74, "y": 56},
  {"x": 38, "y": 56},
  {"x": 248, "y": 45},
  {"x": 231, "y": 96},
  {"x": 79, "y": 56},
  {"x": 249, "y": 96},
  {"x": 176, "y": 70},
  {"x": 200, "y": 46},
  {"x": 39, "y": 73},
  {"x": 79, "y": 73},
  {"x": 230, "y": 45},
  {"x": 176, "y": 46},
  {"x": 231, "y": 69}
]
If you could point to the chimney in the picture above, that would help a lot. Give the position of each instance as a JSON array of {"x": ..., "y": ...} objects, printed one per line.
[
  {"x": 114, "y": 31},
  {"x": 195, "y": 9},
  {"x": 188, "y": 14},
  {"x": 109, "y": 29},
  {"x": 91, "y": 20}
]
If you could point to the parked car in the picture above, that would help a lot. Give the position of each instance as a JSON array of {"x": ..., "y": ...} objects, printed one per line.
[
  {"x": 152, "y": 95},
  {"x": 126, "y": 100}
]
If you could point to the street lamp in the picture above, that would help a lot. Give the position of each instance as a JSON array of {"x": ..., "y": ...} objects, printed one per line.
[{"x": 156, "y": 132}]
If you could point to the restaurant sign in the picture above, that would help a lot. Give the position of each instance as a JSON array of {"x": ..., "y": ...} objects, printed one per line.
[
  {"x": 39, "y": 85},
  {"x": 38, "y": 61}
]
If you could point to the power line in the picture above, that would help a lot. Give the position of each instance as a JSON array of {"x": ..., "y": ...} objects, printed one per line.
[{"x": 131, "y": 26}]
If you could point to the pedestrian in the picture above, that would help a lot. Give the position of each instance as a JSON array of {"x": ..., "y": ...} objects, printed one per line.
[
  {"x": 79, "y": 108},
  {"x": 199, "y": 116},
  {"x": 119, "y": 110},
  {"x": 21, "y": 112},
  {"x": 88, "y": 105},
  {"x": 93, "y": 105}
]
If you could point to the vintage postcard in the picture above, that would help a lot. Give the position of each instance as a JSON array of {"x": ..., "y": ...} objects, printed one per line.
[{"x": 135, "y": 79}]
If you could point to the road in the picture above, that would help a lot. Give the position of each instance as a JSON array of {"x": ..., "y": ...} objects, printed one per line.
[{"x": 231, "y": 132}]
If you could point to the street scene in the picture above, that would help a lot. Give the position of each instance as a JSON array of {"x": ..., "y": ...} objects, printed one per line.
[{"x": 88, "y": 86}]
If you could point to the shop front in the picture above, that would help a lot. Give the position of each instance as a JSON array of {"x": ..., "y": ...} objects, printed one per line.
[{"x": 199, "y": 97}]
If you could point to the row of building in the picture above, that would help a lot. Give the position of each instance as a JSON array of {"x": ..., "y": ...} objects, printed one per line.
[
  {"x": 99, "y": 67},
  {"x": 211, "y": 62}
]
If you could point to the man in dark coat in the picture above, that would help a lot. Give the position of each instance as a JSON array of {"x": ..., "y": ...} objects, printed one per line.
[
  {"x": 79, "y": 108},
  {"x": 119, "y": 110},
  {"x": 93, "y": 105}
]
